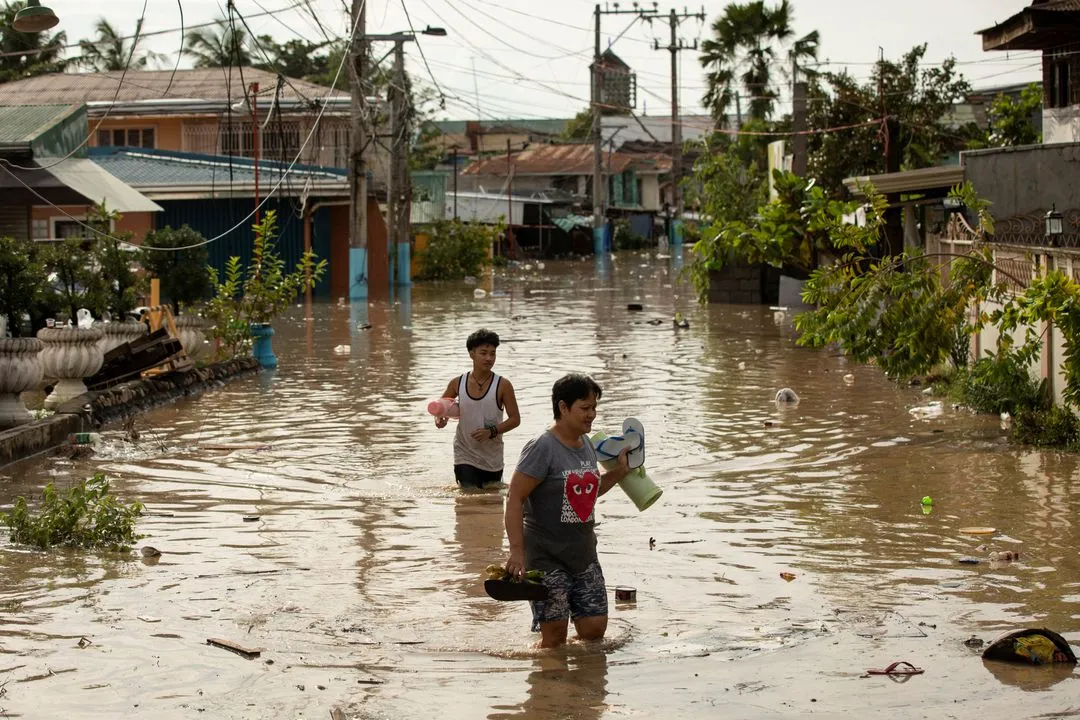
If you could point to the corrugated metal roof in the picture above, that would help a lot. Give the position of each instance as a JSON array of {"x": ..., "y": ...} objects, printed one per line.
[
  {"x": 549, "y": 160},
  {"x": 196, "y": 84},
  {"x": 25, "y": 123},
  {"x": 574, "y": 159},
  {"x": 159, "y": 169}
]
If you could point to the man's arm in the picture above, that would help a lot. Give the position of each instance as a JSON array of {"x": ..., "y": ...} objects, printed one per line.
[{"x": 509, "y": 403}]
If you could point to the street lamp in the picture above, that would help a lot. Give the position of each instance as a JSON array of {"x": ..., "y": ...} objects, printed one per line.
[
  {"x": 434, "y": 31},
  {"x": 1053, "y": 226},
  {"x": 34, "y": 18}
]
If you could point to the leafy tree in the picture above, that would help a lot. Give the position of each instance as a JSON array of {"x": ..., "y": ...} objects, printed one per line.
[
  {"x": 22, "y": 276},
  {"x": 42, "y": 52},
  {"x": 917, "y": 96},
  {"x": 1010, "y": 120},
  {"x": 579, "y": 127},
  {"x": 182, "y": 273},
  {"x": 121, "y": 284},
  {"x": 457, "y": 249},
  {"x": 748, "y": 41},
  {"x": 297, "y": 58},
  {"x": 220, "y": 45},
  {"x": 75, "y": 282},
  {"x": 110, "y": 51},
  {"x": 897, "y": 312}
]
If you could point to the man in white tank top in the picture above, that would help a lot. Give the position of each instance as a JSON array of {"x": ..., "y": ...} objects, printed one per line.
[{"x": 484, "y": 398}]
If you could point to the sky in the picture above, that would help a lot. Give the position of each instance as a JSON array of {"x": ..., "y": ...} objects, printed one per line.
[{"x": 529, "y": 58}]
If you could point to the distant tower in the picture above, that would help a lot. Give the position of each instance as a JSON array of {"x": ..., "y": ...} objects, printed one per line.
[{"x": 618, "y": 85}]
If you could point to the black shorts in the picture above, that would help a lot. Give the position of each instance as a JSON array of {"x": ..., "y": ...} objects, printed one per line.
[{"x": 468, "y": 476}]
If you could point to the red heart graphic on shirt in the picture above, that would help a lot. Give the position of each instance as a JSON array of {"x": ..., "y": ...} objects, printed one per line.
[{"x": 581, "y": 493}]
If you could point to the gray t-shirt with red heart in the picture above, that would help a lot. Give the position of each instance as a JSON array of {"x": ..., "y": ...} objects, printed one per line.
[{"x": 559, "y": 517}]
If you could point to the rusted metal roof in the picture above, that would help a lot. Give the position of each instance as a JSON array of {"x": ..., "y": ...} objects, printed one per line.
[
  {"x": 197, "y": 84},
  {"x": 576, "y": 159}
]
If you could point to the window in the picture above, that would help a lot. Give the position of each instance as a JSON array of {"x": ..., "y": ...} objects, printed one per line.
[
  {"x": 277, "y": 141},
  {"x": 126, "y": 137},
  {"x": 1059, "y": 92},
  {"x": 64, "y": 227}
]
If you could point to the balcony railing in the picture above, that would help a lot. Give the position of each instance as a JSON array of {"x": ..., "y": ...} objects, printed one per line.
[{"x": 328, "y": 146}]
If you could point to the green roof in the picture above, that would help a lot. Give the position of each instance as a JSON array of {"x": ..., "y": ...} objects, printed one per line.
[{"x": 24, "y": 124}]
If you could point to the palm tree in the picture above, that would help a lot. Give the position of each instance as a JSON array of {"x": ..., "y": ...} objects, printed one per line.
[
  {"x": 26, "y": 54},
  {"x": 747, "y": 41},
  {"x": 226, "y": 46},
  {"x": 110, "y": 52}
]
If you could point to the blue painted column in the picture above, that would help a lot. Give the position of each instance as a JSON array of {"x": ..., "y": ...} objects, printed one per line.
[
  {"x": 358, "y": 285},
  {"x": 404, "y": 260}
]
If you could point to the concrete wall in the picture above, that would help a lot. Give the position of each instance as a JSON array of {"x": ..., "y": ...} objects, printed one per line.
[
  {"x": 1023, "y": 180},
  {"x": 744, "y": 285}
]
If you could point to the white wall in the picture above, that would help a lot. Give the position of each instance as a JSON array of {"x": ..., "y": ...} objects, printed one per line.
[{"x": 1061, "y": 125}]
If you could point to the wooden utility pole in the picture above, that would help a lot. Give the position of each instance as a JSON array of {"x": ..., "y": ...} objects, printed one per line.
[
  {"x": 597, "y": 105},
  {"x": 455, "y": 183},
  {"x": 357, "y": 142},
  {"x": 676, "y": 45}
]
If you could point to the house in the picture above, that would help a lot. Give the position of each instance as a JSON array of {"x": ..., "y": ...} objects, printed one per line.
[
  {"x": 633, "y": 180},
  {"x": 205, "y": 110},
  {"x": 48, "y": 185},
  {"x": 472, "y": 138},
  {"x": 1050, "y": 26}
]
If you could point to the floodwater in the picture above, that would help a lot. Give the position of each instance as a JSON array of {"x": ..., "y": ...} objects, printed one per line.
[{"x": 360, "y": 577}]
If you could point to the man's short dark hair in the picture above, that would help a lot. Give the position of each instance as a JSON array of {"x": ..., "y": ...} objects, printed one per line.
[
  {"x": 569, "y": 388},
  {"x": 482, "y": 336}
]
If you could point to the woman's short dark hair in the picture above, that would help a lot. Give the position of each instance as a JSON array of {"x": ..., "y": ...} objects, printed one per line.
[
  {"x": 482, "y": 336},
  {"x": 569, "y": 388}
]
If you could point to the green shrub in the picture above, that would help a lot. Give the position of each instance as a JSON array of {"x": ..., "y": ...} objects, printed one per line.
[
  {"x": 86, "y": 515},
  {"x": 457, "y": 249},
  {"x": 1056, "y": 427},
  {"x": 626, "y": 239},
  {"x": 184, "y": 280},
  {"x": 1000, "y": 383}
]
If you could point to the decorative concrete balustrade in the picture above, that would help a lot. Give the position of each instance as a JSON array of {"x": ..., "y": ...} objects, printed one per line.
[
  {"x": 20, "y": 370},
  {"x": 70, "y": 356}
]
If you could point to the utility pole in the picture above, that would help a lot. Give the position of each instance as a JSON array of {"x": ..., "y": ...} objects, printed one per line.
[
  {"x": 455, "y": 184},
  {"x": 509, "y": 203},
  {"x": 676, "y": 45},
  {"x": 798, "y": 122},
  {"x": 400, "y": 191},
  {"x": 596, "y": 106},
  {"x": 357, "y": 142}
]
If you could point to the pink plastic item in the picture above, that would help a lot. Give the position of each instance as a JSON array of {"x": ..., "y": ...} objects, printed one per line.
[{"x": 444, "y": 407}]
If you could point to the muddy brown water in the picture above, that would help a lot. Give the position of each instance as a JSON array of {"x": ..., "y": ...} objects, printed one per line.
[{"x": 360, "y": 579}]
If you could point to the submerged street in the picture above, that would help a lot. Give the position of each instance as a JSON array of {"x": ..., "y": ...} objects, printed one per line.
[{"x": 311, "y": 512}]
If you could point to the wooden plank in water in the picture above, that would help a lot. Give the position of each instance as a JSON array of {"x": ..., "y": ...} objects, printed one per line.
[{"x": 249, "y": 653}]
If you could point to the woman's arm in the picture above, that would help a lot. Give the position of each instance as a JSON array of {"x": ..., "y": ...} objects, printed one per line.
[
  {"x": 521, "y": 485},
  {"x": 609, "y": 478}
]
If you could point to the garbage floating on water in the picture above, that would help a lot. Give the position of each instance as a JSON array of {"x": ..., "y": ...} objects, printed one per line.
[
  {"x": 342, "y": 349},
  {"x": 849, "y": 379},
  {"x": 930, "y": 410},
  {"x": 479, "y": 293}
]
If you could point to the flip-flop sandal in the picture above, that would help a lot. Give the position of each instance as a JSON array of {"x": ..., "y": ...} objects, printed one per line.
[
  {"x": 509, "y": 590},
  {"x": 896, "y": 669},
  {"x": 631, "y": 427},
  {"x": 610, "y": 447}
]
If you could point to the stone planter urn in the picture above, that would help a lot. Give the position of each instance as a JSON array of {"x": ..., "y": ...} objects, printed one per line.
[
  {"x": 20, "y": 370},
  {"x": 115, "y": 334},
  {"x": 191, "y": 329},
  {"x": 70, "y": 355}
]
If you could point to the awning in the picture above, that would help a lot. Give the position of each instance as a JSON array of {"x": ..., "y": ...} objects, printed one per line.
[
  {"x": 569, "y": 222},
  {"x": 909, "y": 181},
  {"x": 95, "y": 184}
]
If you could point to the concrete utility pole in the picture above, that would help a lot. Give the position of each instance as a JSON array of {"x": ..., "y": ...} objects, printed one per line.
[
  {"x": 596, "y": 106},
  {"x": 677, "y": 44},
  {"x": 358, "y": 282},
  {"x": 399, "y": 194},
  {"x": 798, "y": 122}
]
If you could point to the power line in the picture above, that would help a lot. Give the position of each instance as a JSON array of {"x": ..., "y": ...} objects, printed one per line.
[
  {"x": 420, "y": 47},
  {"x": 244, "y": 221},
  {"x": 92, "y": 133}
]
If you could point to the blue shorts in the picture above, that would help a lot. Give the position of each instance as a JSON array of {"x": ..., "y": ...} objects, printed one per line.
[{"x": 571, "y": 596}]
